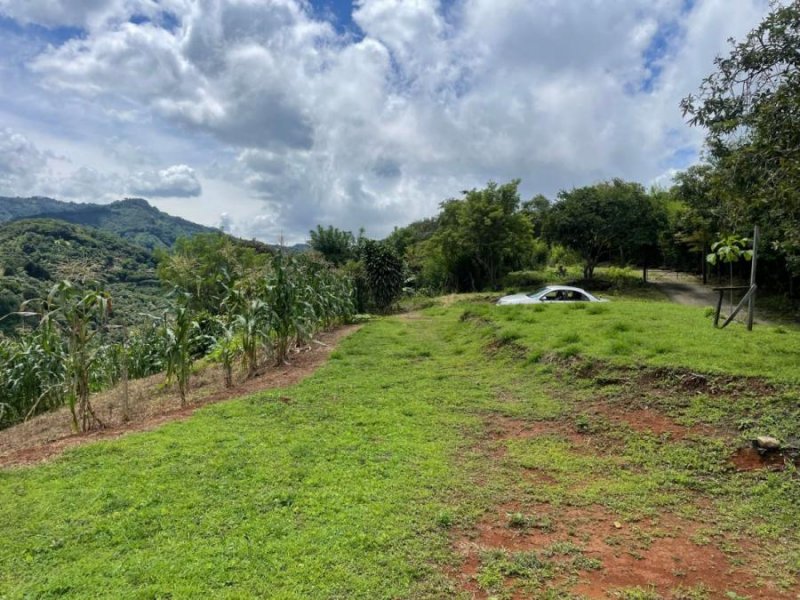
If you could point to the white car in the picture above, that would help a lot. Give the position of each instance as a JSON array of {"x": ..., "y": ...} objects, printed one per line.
[{"x": 551, "y": 293}]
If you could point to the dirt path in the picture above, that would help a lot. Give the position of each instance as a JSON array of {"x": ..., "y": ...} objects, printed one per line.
[
  {"x": 692, "y": 294},
  {"x": 689, "y": 290},
  {"x": 153, "y": 404}
]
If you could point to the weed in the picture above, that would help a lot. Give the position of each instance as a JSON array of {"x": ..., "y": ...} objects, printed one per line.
[{"x": 637, "y": 593}]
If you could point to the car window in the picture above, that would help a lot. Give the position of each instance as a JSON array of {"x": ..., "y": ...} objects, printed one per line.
[
  {"x": 537, "y": 292},
  {"x": 578, "y": 297},
  {"x": 554, "y": 296}
]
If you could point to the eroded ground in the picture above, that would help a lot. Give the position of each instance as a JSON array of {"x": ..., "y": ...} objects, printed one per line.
[{"x": 636, "y": 484}]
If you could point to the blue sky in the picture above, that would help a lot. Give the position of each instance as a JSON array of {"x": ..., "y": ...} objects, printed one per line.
[
  {"x": 274, "y": 115},
  {"x": 340, "y": 10}
]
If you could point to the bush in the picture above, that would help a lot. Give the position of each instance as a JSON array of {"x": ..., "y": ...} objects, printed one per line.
[{"x": 526, "y": 279}]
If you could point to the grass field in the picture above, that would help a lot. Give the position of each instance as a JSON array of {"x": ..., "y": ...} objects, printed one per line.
[{"x": 464, "y": 451}]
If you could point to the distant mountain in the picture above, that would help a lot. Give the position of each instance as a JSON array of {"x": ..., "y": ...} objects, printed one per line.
[
  {"x": 20, "y": 208},
  {"x": 36, "y": 253},
  {"x": 132, "y": 219}
]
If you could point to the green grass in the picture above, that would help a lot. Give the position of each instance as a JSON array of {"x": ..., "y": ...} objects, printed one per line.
[
  {"x": 659, "y": 334},
  {"x": 356, "y": 486}
]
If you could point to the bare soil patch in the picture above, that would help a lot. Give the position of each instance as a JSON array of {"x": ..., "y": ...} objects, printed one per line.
[
  {"x": 152, "y": 403},
  {"x": 660, "y": 554},
  {"x": 750, "y": 459},
  {"x": 649, "y": 420},
  {"x": 665, "y": 553}
]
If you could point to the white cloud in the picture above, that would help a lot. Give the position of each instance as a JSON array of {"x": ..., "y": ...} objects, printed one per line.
[
  {"x": 85, "y": 14},
  {"x": 378, "y": 129},
  {"x": 26, "y": 170},
  {"x": 20, "y": 162},
  {"x": 177, "y": 181}
]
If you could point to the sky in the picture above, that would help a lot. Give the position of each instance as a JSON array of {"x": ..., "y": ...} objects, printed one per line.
[{"x": 268, "y": 117}]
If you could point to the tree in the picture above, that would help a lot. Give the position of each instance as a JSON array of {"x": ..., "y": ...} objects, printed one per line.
[
  {"x": 750, "y": 108},
  {"x": 482, "y": 236},
  {"x": 384, "y": 273},
  {"x": 605, "y": 218},
  {"x": 698, "y": 215},
  {"x": 335, "y": 245},
  {"x": 536, "y": 209},
  {"x": 203, "y": 265},
  {"x": 403, "y": 238}
]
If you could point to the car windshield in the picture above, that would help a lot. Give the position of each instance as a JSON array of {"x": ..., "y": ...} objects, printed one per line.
[{"x": 537, "y": 292}]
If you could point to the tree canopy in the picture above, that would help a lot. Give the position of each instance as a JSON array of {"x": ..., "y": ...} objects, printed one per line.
[
  {"x": 750, "y": 107},
  {"x": 609, "y": 218},
  {"x": 483, "y": 235},
  {"x": 335, "y": 245}
]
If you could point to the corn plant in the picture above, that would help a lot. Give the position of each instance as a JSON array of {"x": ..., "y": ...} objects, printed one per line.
[
  {"x": 76, "y": 317},
  {"x": 32, "y": 375},
  {"x": 227, "y": 347},
  {"x": 248, "y": 316},
  {"x": 145, "y": 349},
  {"x": 291, "y": 313},
  {"x": 179, "y": 331}
]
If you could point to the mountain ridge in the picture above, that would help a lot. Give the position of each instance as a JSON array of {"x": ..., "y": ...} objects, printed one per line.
[{"x": 133, "y": 219}]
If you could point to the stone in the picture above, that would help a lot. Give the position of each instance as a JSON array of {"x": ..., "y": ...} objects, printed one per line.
[{"x": 767, "y": 442}]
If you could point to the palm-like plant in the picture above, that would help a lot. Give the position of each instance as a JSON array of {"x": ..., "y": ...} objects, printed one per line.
[
  {"x": 730, "y": 249},
  {"x": 179, "y": 332}
]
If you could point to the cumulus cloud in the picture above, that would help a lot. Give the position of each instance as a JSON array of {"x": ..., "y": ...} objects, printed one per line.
[
  {"x": 426, "y": 99},
  {"x": 25, "y": 171},
  {"x": 20, "y": 162},
  {"x": 177, "y": 181},
  {"x": 85, "y": 14}
]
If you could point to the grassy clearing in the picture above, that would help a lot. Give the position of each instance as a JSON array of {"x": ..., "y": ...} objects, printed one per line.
[
  {"x": 659, "y": 334},
  {"x": 360, "y": 481}
]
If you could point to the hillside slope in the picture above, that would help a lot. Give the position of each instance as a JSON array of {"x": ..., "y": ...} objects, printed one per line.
[
  {"x": 36, "y": 253},
  {"x": 133, "y": 219},
  {"x": 21, "y": 208}
]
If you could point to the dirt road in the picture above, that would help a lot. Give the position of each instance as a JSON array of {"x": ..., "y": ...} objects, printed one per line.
[{"x": 689, "y": 290}]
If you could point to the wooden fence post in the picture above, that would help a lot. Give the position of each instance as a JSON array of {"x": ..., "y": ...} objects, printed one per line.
[{"x": 751, "y": 303}]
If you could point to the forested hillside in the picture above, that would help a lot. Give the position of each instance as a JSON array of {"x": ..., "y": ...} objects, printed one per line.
[
  {"x": 36, "y": 253},
  {"x": 133, "y": 219},
  {"x": 20, "y": 208}
]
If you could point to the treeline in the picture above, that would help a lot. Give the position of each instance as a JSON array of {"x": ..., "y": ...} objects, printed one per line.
[
  {"x": 228, "y": 302},
  {"x": 477, "y": 240}
]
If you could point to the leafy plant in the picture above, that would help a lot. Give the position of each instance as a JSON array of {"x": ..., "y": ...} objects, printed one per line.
[
  {"x": 179, "y": 332},
  {"x": 730, "y": 249},
  {"x": 384, "y": 274},
  {"x": 78, "y": 316}
]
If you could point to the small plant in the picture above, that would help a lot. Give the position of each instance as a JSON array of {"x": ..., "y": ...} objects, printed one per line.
[
  {"x": 583, "y": 424},
  {"x": 445, "y": 520},
  {"x": 637, "y": 593},
  {"x": 179, "y": 333},
  {"x": 730, "y": 249},
  {"x": 518, "y": 521}
]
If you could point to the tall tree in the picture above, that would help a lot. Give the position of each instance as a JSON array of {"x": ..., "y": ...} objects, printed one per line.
[
  {"x": 750, "y": 107},
  {"x": 335, "y": 245},
  {"x": 484, "y": 235},
  {"x": 613, "y": 219},
  {"x": 698, "y": 216}
]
